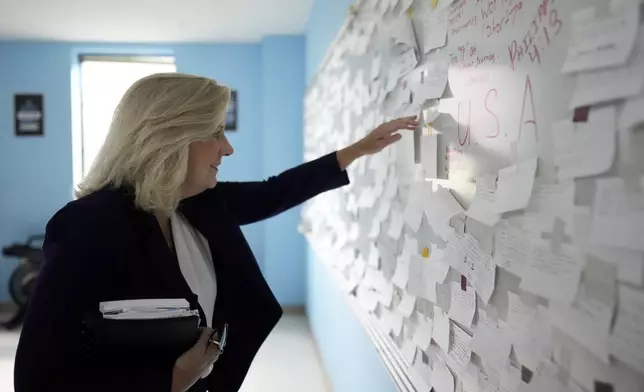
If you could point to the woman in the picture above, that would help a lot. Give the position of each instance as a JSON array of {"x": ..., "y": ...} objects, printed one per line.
[{"x": 151, "y": 221}]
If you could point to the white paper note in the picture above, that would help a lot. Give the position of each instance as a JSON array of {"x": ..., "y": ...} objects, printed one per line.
[
  {"x": 421, "y": 376},
  {"x": 553, "y": 198},
  {"x": 585, "y": 148},
  {"x": 401, "y": 276},
  {"x": 435, "y": 25},
  {"x": 514, "y": 186},
  {"x": 610, "y": 84},
  {"x": 512, "y": 250},
  {"x": 510, "y": 379},
  {"x": 413, "y": 214},
  {"x": 367, "y": 297},
  {"x": 436, "y": 268},
  {"x": 602, "y": 43},
  {"x": 627, "y": 340},
  {"x": 553, "y": 275},
  {"x": 421, "y": 283},
  {"x": 462, "y": 305},
  {"x": 618, "y": 216},
  {"x": 401, "y": 32},
  {"x": 440, "y": 207},
  {"x": 482, "y": 270},
  {"x": 429, "y": 155},
  {"x": 483, "y": 206},
  {"x": 441, "y": 331},
  {"x": 442, "y": 377},
  {"x": 529, "y": 331},
  {"x": 407, "y": 305},
  {"x": 376, "y": 66},
  {"x": 408, "y": 351},
  {"x": 493, "y": 345},
  {"x": 395, "y": 225},
  {"x": 459, "y": 349},
  {"x": 632, "y": 114},
  {"x": 423, "y": 333},
  {"x": 432, "y": 79},
  {"x": 393, "y": 321},
  {"x": 630, "y": 263}
]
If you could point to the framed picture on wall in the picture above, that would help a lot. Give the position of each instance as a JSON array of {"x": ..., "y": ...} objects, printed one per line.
[
  {"x": 231, "y": 114},
  {"x": 28, "y": 115}
]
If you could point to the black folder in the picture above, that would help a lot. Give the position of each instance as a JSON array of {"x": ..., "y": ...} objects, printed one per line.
[{"x": 151, "y": 339}]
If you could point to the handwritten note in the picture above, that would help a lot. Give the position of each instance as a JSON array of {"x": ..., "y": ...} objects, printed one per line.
[
  {"x": 482, "y": 270},
  {"x": 627, "y": 340},
  {"x": 514, "y": 186},
  {"x": 602, "y": 43},
  {"x": 462, "y": 305},
  {"x": 483, "y": 206},
  {"x": 585, "y": 148},
  {"x": 512, "y": 250},
  {"x": 441, "y": 332},
  {"x": 459, "y": 350},
  {"x": 553, "y": 275}
]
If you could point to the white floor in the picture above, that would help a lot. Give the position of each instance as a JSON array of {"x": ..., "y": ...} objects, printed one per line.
[{"x": 287, "y": 362}]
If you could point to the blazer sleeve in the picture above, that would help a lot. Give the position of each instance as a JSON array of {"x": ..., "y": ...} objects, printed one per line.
[
  {"x": 81, "y": 252},
  {"x": 250, "y": 202}
]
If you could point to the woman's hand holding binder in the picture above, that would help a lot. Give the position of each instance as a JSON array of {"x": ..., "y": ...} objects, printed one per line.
[{"x": 192, "y": 364}]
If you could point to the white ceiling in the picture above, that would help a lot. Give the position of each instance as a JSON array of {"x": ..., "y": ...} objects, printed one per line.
[{"x": 151, "y": 20}]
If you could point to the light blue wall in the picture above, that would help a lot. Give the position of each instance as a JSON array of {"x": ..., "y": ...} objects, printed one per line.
[
  {"x": 349, "y": 355},
  {"x": 283, "y": 85},
  {"x": 36, "y": 173}
]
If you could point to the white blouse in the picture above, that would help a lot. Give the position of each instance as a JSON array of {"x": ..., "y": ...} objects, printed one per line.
[{"x": 195, "y": 261}]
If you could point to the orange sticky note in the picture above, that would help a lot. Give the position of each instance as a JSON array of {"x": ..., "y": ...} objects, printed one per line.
[
  {"x": 426, "y": 253},
  {"x": 434, "y": 4}
]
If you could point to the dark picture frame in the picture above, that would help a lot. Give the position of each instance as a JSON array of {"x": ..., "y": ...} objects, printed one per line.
[
  {"x": 231, "y": 113},
  {"x": 29, "y": 115}
]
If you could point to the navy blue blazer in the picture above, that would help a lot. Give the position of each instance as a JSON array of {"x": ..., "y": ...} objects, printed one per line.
[{"x": 101, "y": 247}]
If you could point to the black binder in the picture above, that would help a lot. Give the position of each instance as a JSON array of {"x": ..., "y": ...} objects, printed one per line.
[{"x": 151, "y": 340}]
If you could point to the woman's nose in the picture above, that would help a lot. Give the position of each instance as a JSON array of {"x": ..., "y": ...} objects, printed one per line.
[{"x": 228, "y": 149}]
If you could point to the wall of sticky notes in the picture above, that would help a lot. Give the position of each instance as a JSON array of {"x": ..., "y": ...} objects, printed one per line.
[{"x": 500, "y": 246}]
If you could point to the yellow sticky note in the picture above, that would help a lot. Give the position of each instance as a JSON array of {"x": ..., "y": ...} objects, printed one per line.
[
  {"x": 409, "y": 12},
  {"x": 426, "y": 253},
  {"x": 430, "y": 128},
  {"x": 434, "y": 4}
]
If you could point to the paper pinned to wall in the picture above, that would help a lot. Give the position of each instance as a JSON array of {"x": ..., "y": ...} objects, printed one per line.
[
  {"x": 553, "y": 275},
  {"x": 588, "y": 320},
  {"x": 529, "y": 331},
  {"x": 512, "y": 250},
  {"x": 482, "y": 270},
  {"x": 436, "y": 268},
  {"x": 442, "y": 377},
  {"x": 435, "y": 26},
  {"x": 459, "y": 352},
  {"x": 395, "y": 225},
  {"x": 421, "y": 376},
  {"x": 462, "y": 304},
  {"x": 432, "y": 79},
  {"x": 514, "y": 186},
  {"x": 630, "y": 263},
  {"x": 602, "y": 43},
  {"x": 440, "y": 207},
  {"x": 420, "y": 283},
  {"x": 584, "y": 149},
  {"x": 610, "y": 84},
  {"x": 483, "y": 206},
  {"x": 618, "y": 216},
  {"x": 407, "y": 305},
  {"x": 441, "y": 332},
  {"x": 408, "y": 351},
  {"x": 423, "y": 333},
  {"x": 493, "y": 345},
  {"x": 627, "y": 340},
  {"x": 632, "y": 114},
  {"x": 413, "y": 214}
]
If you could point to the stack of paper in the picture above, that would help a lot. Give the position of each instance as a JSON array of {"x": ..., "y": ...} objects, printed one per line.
[{"x": 138, "y": 309}]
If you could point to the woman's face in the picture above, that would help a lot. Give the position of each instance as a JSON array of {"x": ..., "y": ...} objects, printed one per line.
[{"x": 204, "y": 159}]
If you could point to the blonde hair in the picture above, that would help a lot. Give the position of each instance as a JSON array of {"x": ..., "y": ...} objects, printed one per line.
[{"x": 147, "y": 145}]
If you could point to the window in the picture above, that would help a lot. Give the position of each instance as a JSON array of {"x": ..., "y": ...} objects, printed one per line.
[{"x": 103, "y": 81}]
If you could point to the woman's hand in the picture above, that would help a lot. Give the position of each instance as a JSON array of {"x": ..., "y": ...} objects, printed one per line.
[
  {"x": 381, "y": 137},
  {"x": 192, "y": 364}
]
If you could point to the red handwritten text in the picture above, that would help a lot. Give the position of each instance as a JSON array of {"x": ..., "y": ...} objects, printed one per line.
[
  {"x": 528, "y": 103},
  {"x": 545, "y": 26},
  {"x": 487, "y": 109},
  {"x": 497, "y": 14}
]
